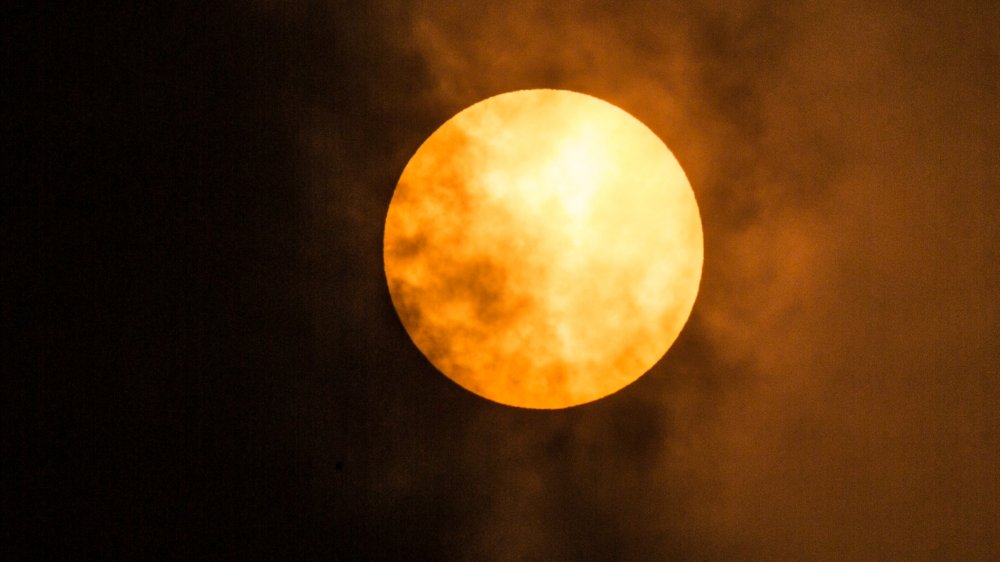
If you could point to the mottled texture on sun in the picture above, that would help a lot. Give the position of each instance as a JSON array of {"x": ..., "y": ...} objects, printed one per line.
[{"x": 543, "y": 248}]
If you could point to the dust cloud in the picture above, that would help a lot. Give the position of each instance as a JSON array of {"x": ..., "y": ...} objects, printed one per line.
[{"x": 833, "y": 395}]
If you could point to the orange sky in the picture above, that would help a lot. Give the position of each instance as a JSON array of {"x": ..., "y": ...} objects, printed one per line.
[
  {"x": 832, "y": 396},
  {"x": 201, "y": 358}
]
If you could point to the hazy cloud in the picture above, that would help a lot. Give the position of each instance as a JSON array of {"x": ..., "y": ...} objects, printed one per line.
[{"x": 833, "y": 395}]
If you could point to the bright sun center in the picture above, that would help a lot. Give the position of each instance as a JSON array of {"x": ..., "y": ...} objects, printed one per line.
[{"x": 543, "y": 248}]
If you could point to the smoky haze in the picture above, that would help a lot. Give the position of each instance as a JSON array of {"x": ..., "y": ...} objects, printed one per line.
[{"x": 832, "y": 396}]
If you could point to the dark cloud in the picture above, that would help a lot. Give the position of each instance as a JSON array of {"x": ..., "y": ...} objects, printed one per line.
[{"x": 832, "y": 397}]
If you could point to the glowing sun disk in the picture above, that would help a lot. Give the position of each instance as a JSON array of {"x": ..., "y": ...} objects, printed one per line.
[{"x": 543, "y": 248}]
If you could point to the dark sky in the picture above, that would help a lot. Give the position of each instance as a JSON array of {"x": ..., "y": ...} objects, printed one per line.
[{"x": 201, "y": 359}]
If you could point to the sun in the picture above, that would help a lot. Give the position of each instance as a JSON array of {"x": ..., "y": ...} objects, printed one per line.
[{"x": 543, "y": 248}]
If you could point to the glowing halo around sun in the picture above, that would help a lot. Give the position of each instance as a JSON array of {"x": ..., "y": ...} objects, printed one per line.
[{"x": 543, "y": 248}]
